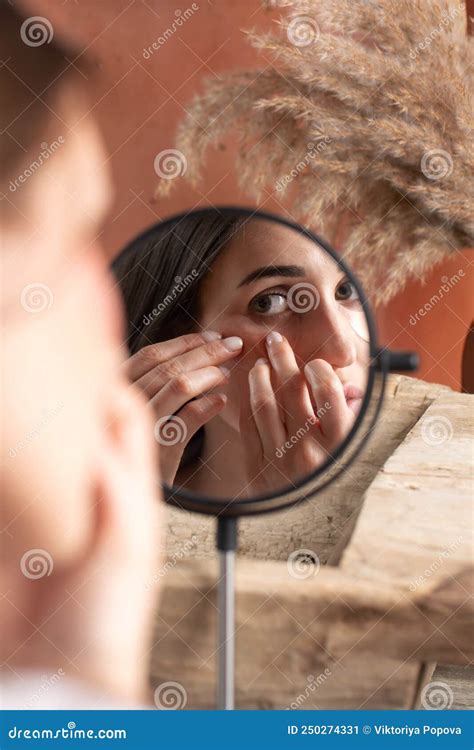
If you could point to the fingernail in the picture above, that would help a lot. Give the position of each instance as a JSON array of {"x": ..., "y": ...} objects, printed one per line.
[
  {"x": 233, "y": 343},
  {"x": 224, "y": 370},
  {"x": 211, "y": 335},
  {"x": 261, "y": 361},
  {"x": 311, "y": 375},
  {"x": 274, "y": 338}
]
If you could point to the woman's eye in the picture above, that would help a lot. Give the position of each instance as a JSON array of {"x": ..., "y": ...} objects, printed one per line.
[
  {"x": 346, "y": 291},
  {"x": 270, "y": 303}
]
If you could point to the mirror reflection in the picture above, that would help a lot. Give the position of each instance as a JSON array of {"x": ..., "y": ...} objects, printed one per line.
[{"x": 251, "y": 343}]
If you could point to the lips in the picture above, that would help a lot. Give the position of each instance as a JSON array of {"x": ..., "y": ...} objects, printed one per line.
[{"x": 354, "y": 396}]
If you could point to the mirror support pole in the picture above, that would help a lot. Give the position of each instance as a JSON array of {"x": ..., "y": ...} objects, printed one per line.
[
  {"x": 226, "y": 544},
  {"x": 395, "y": 361}
]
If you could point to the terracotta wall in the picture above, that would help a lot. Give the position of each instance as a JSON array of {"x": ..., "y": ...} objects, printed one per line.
[{"x": 138, "y": 98}]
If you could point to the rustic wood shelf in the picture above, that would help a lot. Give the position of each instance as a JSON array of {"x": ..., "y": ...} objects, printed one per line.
[{"x": 367, "y": 629}]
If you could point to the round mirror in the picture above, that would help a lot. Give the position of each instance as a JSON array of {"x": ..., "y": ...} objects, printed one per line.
[{"x": 255, "y": 344}]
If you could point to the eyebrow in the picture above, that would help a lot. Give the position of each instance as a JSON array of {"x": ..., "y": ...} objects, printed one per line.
[{"x": 266, "y": 271}]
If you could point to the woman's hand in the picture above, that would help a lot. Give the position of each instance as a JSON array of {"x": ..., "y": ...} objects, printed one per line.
[
  {"x": 175, "y": 376},
  {"x": 292, "y": 421}
]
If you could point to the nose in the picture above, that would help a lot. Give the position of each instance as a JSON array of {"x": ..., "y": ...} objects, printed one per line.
[{"x": 331, "y": 335}]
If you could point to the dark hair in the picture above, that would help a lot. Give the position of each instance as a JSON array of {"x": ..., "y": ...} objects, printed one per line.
[
  {"x": 160, "y": 273},
  {"x": 38, "y": 65}
]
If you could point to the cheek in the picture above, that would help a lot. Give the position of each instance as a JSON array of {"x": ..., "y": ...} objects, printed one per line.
[
  {"x": 253, "y": 335},
  {"x": 361, "y": 366},
  {"x": 363, "y": 351}
]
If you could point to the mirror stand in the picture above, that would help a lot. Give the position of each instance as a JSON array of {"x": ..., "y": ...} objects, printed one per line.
[
  {"x": 226, "y": 545},
  {"x": 242, "y": 238}
]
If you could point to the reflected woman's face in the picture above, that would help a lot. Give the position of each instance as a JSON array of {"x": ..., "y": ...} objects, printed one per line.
[{"x": 272, "y": 278}]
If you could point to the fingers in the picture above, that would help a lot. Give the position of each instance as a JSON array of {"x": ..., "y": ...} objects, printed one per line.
[
  {"x": 335, "y": 417},
  {"x": 212, "y": 353},
  {"x": 290, "y": 385},
  {"x": 198, "y": 412},
  {"x": 149, "y": 356},
  {"x": 169, "y": 358},
  {"x": 251, "y": 441},
  {"x": 176, "y": 433},
  {"x": 265, "y": 408},
  {"x": 181, "y": 389}
]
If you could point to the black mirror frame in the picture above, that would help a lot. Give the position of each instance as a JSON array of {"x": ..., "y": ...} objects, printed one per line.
[{"x": 228, "y": 507}]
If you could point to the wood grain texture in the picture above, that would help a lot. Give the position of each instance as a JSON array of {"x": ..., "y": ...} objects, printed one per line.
[
  {"x": 324, "y": 524},
  {"x": 284, "y": 660},
  {"x": 360, "y": 633},
  {"x": 461, "y": 682}
]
